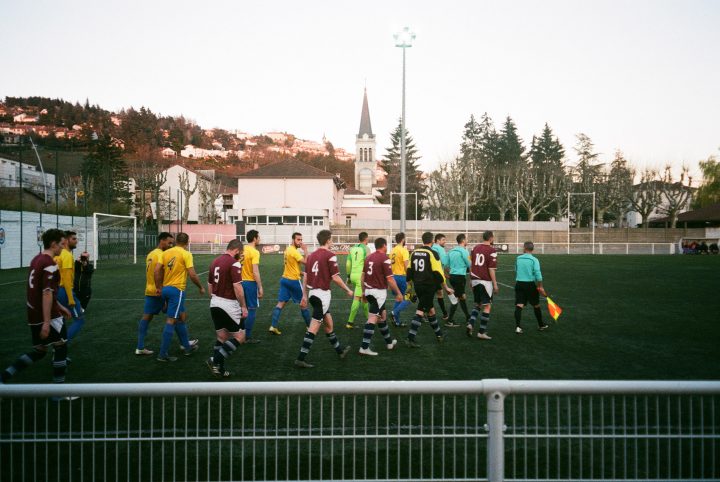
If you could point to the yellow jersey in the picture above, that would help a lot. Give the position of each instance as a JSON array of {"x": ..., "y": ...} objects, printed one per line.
[
  {"x": 153, "y": 258},
  {"x": 292, "y": 263},
  {"x": 252, "y": 257},
  {"x": 176, "y": 261},
  {"x": 399, "y": 256},
  {"x": 66, "y": 264}
]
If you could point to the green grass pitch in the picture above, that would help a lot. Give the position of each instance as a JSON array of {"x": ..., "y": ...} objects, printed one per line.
[{"x": 625, "y": 317}]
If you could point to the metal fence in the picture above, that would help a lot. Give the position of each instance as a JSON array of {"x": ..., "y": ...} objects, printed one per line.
[{"x": 421, "y": 430}]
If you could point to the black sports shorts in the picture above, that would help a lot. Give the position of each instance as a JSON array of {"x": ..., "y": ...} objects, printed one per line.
[{"x": 526, "y": 293}]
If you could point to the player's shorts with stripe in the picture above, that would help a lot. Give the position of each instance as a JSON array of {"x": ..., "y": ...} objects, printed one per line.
[
  {"x": 376, "y": 300},
  {"x": 290, "y": 289},
  {"x": 526, "y": 293},
  {"x": 458, "y": 282},
  {"x": 226, "y": 314},
  {"x": 426, "y": 296},
  {"x": 76, "y": 310},
  {"x": 251, "y": 294},
  {"x": 482, "y": 291},
  {"x": 175, "y": 301},
  {"x": 320, "y": 302},
  {"x": 57, "y": 332},
  {"x": 401, "y": 282},
  {"x": 153, "y": 305},
  {"x": 355, "y": 280}
]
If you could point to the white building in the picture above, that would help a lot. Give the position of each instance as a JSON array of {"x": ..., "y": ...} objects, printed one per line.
[
  {"x": 174, "y": 177},
  {"x": 192, "y": 152},
  {"x": 32, "y": 176}
]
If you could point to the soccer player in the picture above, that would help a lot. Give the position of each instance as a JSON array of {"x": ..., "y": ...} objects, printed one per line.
[
  {"x": 252, "y": 283},
  {"x": 354, "y": 268},
  {"x": 291, "y": 282},
  {"x": 484, "y": 284},
  {"x": 320, "y": 269},
  {"x": 427, "y": 276},
  {"x": 227, "y": 306},
  {"x": 528, "y": 284},
  {"x": 44, "y": 313},
  {"x": 400, "y": 259},
  {"x": 458, "y": 264},
  {"x": 65, "y": 295},
  {"x": 439, "y": 248},
  {"x": 153, "y": 299},
  {"x": 171, "y": 276},
  {"x": 377, "y": 275}
]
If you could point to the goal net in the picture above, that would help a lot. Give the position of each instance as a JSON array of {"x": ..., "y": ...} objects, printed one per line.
[{"x": 115, "y": 238}]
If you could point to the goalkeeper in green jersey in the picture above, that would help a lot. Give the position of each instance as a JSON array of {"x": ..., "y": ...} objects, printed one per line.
[{"x": 354, "y": 267}]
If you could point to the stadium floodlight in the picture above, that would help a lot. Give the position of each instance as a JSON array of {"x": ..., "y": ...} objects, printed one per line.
[
  {"x": 115, "y": 233},
  {"x": 403, "y": 40},
  {"x": 592, "y": 221}
]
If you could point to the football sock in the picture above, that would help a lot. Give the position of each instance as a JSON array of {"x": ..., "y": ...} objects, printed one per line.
[
  {"x": 367, "y": 335},
  {"x": 538, "y": 315},
  {"x": 353, "y": 311},
  {"x": 441, "y": 303},
  {"x": 484, "y": 320},
  {"x": 75, "y": 328},
  {"x": 453, "y": 309},
  {"x": 218, "y": 357},
  {"x": 142, "y": 333},
  {"x": 414, "y": 326},
  {"x": 250, "y": 322},
  {"x": 22, "y": 362},
  {"x": 59, "y": 363},
  {"x": 473, "y": 317},
  {"x": 463, "y": 307},
  {"x": 385, "y": 331},
  {"x": 167, "y": 336},
  {"x": 229, "y": 347},
  {"x": 518, "y": 315},
  {"x": 333, "y": 339},
  {"x": 182, "y": 333},
  {"x": 435, "y": 325},
  {"x": 306, "y": 316},
  {"x": 275, "y": 320},
  {"x": 307, "y": 343}
]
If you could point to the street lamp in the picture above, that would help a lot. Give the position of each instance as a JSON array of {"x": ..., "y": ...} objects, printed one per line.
[{"x": 403, "y": 39}]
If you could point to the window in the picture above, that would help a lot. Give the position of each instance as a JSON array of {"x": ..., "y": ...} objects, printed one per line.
[
  {"x": 251, "y": 220},
  {"x": 262, "y": 220},
  {"x": 348, "y": 221},
  {"x": 318, "y": 221},
  {"x": 275, "y": 220},
  {"x": 290, "y": 219}
]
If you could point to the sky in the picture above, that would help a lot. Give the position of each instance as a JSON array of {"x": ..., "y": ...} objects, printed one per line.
[{"x": 640, "y": 76}]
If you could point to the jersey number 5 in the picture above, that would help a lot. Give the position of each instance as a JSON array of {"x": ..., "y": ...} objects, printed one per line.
[{"x": 216, "y": 274}]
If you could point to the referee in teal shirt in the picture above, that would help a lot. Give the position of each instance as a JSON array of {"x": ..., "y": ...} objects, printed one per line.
[{"x": 528, "y": 286}]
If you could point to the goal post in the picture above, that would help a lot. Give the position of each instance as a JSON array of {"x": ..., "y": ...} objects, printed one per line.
[{"x": 113, "y": 236}]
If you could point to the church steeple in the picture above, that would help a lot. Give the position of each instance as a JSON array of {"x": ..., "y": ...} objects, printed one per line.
[
  {"x": 365, "y": 163},
  {"x": 365, "y": 126}
]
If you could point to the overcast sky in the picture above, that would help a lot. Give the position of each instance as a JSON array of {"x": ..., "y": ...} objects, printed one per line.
[{"x": 640, "y": 76}]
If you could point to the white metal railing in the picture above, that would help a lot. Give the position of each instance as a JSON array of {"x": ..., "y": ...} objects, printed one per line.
[{"x": 493, "y": 429}]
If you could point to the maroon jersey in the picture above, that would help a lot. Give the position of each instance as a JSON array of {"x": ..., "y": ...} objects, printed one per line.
[
  {"x": 377, "y": 270},
  {"x": 224, "y": 272},
  {"x": 320, "y": 267},
  {"x": 44, "y": 276},
  {"x": 483, "y": 258}
]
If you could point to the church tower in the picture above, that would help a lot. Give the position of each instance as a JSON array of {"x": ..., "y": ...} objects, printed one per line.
[{"x": 365, "y": 163}]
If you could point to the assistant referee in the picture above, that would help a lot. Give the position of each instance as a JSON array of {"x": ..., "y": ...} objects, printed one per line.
[{"x": 528, "y": 286}]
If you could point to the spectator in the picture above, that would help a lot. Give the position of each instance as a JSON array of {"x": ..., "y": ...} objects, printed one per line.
[
  {"x": 693, "y": 247},
  {"x": 703, "y": 248},
  {"x": 714, "y": 248},
  {"x": 84, "y": 270},
  {"x": 685, "y": 248}
]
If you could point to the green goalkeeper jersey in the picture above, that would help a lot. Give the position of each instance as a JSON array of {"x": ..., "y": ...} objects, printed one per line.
[{"x": 356, "y": 259}]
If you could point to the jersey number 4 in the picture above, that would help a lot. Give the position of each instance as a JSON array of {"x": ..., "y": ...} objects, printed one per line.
[{"x": 315, "y": 268}]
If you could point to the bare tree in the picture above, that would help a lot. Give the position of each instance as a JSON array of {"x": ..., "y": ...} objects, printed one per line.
[
  {"x": 209, "y": 191},
  {"x": 149, "y": 176},
  {"x": 184, "y": 178},
  {"x": 676, "y": 194},
  {"x": 503, "y": 187},
  {"x": 646, "y": 195},
  {"x": 540, "y": 187},
  {"x": 446, "y": 190}
]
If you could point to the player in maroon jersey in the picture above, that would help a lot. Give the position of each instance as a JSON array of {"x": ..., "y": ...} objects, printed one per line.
[
  {"x": 321, "y": 267},
  {"x": 483, "y": 263},
  {"x": 376, "y": 276},
  {"x": 45, "y": 315},
  {"x": 227, "y": 306}
]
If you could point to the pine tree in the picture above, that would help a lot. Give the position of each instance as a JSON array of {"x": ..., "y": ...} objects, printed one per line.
[
  {"x": 587, "y": 174},
  {"x": 105, "y": 168},
  {"x": 390, "y": 163}
]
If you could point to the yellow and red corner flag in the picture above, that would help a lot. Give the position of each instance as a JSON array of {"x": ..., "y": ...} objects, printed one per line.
[{"x": 554, "y": 309}]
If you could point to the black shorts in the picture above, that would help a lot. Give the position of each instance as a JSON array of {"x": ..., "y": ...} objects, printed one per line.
[
  {"x": 223, "y": 321},
  {"x": 457, "y": 283},
  {"x": 53, "y": 335},
  {"x": 373, "y": 307},
  {"x": 482, "y": 297},
  {"x": 426, "y": 296},
  {"x": 526, "y": 293}
]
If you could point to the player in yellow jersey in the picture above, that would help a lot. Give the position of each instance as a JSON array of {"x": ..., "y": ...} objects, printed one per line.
[
  {"x": 252, "y": 284},
  {"x": 291, "y": 282},
  {"x": 400, "y": 259},
  {"x": 153, "y": 300},
  {"x": 66, "y": 297},
  {"x": 171, "y": 279}
]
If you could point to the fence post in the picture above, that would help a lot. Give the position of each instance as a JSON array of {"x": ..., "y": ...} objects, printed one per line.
[{"x": 496, "y": 390}]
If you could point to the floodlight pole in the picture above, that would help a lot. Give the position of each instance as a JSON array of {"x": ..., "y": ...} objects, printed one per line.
[{"x": 403, "y": 39}]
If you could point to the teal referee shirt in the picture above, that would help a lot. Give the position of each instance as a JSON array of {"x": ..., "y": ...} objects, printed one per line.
[{"x": 527, "y": 268}]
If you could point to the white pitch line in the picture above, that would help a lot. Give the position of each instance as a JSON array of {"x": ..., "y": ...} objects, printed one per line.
[{"x": 12, "y": 282}]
